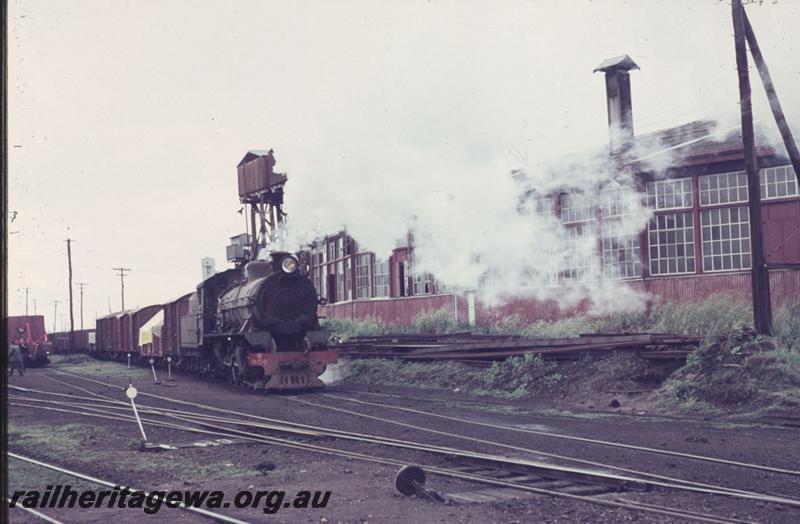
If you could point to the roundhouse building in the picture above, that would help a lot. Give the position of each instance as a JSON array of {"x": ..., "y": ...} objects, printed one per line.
[{"x": 696, "y": 243}]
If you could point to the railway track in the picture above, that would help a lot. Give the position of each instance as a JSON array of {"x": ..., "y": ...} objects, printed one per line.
[
  {"x": 511, "y": 474},
  {"x": 333, "y": 433},
  {"x": 481, "y": 474},
  {"x": 607, "y": 443},
  {"x": 38, "y": 514},
  {"x": 216, "y": 517}
]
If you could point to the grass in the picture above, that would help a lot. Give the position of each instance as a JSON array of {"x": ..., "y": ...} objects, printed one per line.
[
  {"x": 73, "y": 441},
  {"x": 516, "y": 377},
  {"x": 23, "y": 476},
  {"x": 716, "y": 315},
  {"x": 735, "y": 370},
  {"x": 731, "y": 368},
  {"x": 432, "y": 322},
  {"x": 89, "y": 366}
]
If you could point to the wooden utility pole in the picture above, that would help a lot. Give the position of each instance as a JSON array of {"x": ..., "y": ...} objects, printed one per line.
[
  {"x": 71, "y": 314},
  {"x": 759, "y": 274},
  {"x": 772, "y": 96},
  {"x": 55, "y": 315},
  {"x": 81, "y": 285},
  {"x": 26, "y": 301},
  {"x": 122, "y": 271}
]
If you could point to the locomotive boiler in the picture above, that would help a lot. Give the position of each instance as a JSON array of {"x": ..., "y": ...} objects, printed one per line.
[{"x": 267, "y": 332}]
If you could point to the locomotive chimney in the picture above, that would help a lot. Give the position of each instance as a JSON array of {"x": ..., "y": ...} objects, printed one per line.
[{"x": 618, "y": 99}]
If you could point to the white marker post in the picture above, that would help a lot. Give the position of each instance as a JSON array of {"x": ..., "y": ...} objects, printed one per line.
[
  {"x": 129, "y": 361},
  {"x": 153, "y": 368},
  {"x": 169, "y": 369},
  {"x": 131, "y": 393}
]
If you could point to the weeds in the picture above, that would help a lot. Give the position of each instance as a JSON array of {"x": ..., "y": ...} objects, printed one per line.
[
  {"x": 732, "y": 367},
  {"x": 522, "y": 376},
  {"x": 738, "y": 368},
  {"x": 715, "y": 316},
  {"x": 516, "y": 377},
  {"x": 786, "y": 326},
  {"x": 429, "y": 322},
  {"x": 435, "y": 322}
]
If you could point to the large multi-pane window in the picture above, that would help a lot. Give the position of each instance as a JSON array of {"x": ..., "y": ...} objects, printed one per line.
[
  {"x": 618, "y": 202},
  {"x": 671, "y": 241},
  {"x": 381, "y": 278},
  {"x": 576, "y": 207},
  {"x": 315, "y": 273},
  {"x": 322, "y": 280},
  {"x": 722, "y": 188},
  {"x": 669, "y": 194},
  {"x": 340, "y": 281},
  {"x": 348, "y": 278},
  {"x": 579, "y": 253},
  {"x": 725, "y": 233},
  {"x": 544, "y": 207},
  {"x": 778, "y": 182},
  {"x": 622, "y": 256},
  {"x": 363, "y": 275},
  {"x": 423, "y": 284}
]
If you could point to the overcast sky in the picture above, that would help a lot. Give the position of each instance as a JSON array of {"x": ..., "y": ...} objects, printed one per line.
[{"x": 127, "y": 118}]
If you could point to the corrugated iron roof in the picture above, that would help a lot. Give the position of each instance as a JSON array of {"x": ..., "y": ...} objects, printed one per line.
[
  {"x": 252, "y": 154},
  {"x": 623, "y": 62},
  {"x": 701, "y": 138}
]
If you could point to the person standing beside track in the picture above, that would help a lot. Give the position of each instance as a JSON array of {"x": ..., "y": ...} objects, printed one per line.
[{"x": 15, "y": 360}]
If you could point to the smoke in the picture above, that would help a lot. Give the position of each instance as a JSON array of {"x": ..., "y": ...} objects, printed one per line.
[
  {"x": 485, "y": 224},
  {"x": 482, "y": 218},
  {"x": 333, "y": 373}
]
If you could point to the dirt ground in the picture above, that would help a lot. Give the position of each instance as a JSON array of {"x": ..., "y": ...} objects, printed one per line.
[{"x": 363, "y": 491}]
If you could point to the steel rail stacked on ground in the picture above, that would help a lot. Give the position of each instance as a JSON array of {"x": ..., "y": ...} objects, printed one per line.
[{"x": 469, "y": 347}]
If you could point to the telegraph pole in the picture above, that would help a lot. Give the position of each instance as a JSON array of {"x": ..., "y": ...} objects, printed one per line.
[
  {"x": 759, "y": 274},
  {"x": 82, "y": 285},
  {"x": 122, "y": 271},
  {"x": 772, "y": 96},
  {"x": 26, "y": 301},
  {"x": 71, "y": 314},
  {"x": 55, "y": 315}
]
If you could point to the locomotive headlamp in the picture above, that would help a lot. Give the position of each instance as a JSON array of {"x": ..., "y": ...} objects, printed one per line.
[{"x": 289, "y": 264}]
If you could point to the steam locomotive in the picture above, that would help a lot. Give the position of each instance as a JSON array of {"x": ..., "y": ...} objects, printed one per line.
[{"x": 255, "y": 325}]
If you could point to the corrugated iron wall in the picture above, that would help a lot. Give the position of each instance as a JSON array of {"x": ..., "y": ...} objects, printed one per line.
[
  {"x": 785, "y": 286},
  {"x": 398, "y": 310}
]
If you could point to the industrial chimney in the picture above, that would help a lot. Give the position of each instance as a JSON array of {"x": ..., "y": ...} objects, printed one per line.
[{"x": 618, "y": 96}]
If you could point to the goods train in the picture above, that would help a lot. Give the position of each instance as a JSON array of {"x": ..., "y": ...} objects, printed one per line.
[
  {"x": 29, "y": 333},
  {"x": 255, "y": 325},
  {"x": 83, "y": 340}
]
